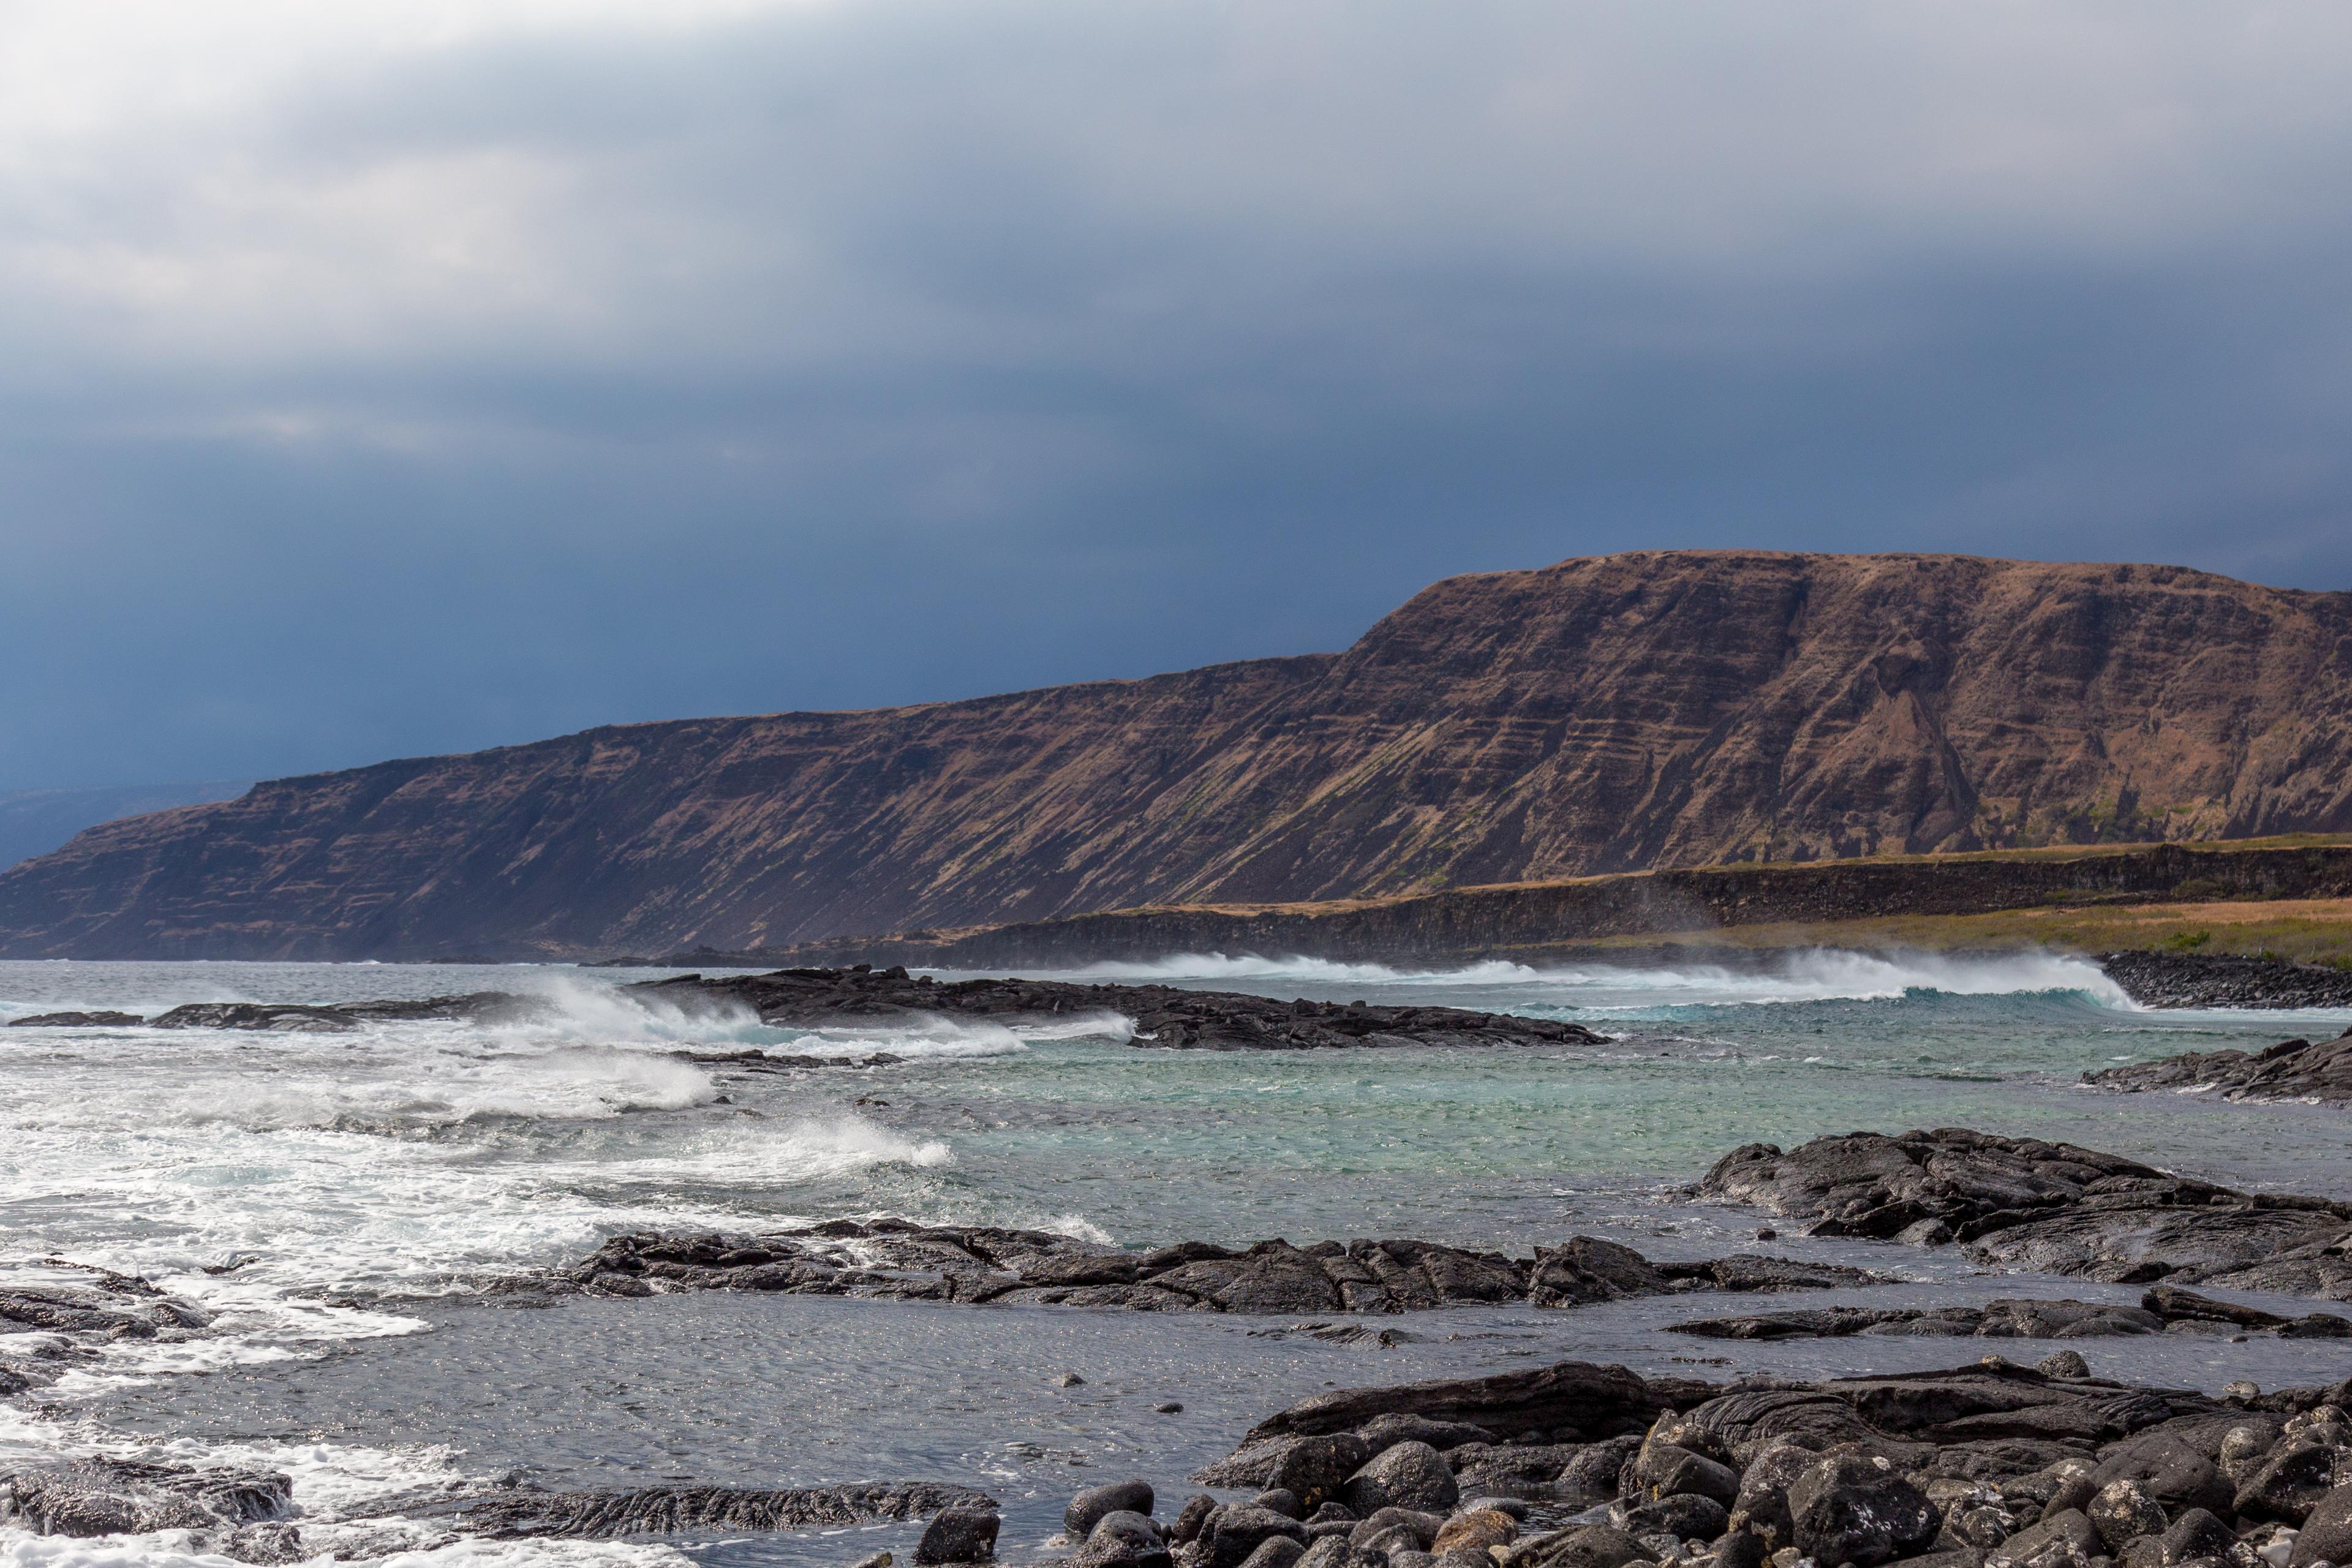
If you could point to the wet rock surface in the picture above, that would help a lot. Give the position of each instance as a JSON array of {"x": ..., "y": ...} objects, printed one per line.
[
  {"x": 228, "y": 1510},
  {"x": 325, "y": 1018},
  {"x": 658, "y": 1510},
  {"x": 1164, "y": 1015},
  {"x": 782, "y": 1061},
  {"x": 1975, "y": 1467},
  {"x": 2165, "y": 1310},
  {"x": 978, "y": 1264},
  {"x": 75, "y": 1308},
  {"x": 479, "y": 1008},
  {"x": 2053, "y": 1208},
  {"x": 2290, "y": 1070}
]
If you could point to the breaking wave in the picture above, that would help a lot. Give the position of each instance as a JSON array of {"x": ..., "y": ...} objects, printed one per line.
[
  {"x": 929, "y": 1036},
  {"x": 758, "y": 1153},
  {"x": 1318, "y": 970},
  {"x": 1819, "y": 974}
]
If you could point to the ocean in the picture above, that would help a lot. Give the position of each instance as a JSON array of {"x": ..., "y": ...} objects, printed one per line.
[{"x": 336, "y": 1202}]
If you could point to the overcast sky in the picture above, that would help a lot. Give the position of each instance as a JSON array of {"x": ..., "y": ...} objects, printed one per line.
[{"x": 388, "y": 378}]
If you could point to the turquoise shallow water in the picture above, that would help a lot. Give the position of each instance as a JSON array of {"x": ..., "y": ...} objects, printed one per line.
[{"x": 425, "y": 1158}]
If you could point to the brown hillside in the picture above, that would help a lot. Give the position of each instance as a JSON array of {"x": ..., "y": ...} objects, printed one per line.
[{"x": 1619, "y": 712}]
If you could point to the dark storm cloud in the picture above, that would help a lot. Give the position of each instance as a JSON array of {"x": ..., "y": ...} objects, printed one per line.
[{"x": 407, "y": 390}]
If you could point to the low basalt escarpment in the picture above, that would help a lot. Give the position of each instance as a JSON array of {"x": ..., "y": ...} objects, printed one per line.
[
  {"x": 975, "y": 1264},
  {"x": 1991, "y": 1466},
  {"x": 1616, "y": 714},
  {"x": 2293, "y": 1069},
  {"x": 2052, "y": 1208},
  {"x": 2225, "y": 980},
  {"x": 2165, "y": 1310},
  {"x": 1164, "y": 1015}
]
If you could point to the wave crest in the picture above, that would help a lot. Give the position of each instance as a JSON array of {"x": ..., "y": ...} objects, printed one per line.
[{"x": 1814, "y": 975}]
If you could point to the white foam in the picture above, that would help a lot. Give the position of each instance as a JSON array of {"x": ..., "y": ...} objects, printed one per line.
[
  {"x": 583, "y": 1008},
  {"x": 1078, "y": 1227},
  {"x": 1116, "y": 1027},
  {"x": 1317, "y": 971},
  {"x": 1829, "y": 975},
  {"x": 1812, "y": 975},
  {"x": 929, "y": 1035},
  {"x": 753, "y": 1154},
  {"x": 563, "y": 1083},
  {"x": 326, "y": 1478}
]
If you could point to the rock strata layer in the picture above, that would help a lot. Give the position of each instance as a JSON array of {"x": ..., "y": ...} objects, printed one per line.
[
  {"x": 1162, "y": 1015},
  {"x": 2290, "y": 1070},
  {"x": 2165, "y": 1310},
  {"x": 2050, "y": 1208},
  {"x": 900, "y": 1260}
]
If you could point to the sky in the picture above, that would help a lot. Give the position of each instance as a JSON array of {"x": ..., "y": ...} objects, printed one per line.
[{"x": 403, "y": 376}]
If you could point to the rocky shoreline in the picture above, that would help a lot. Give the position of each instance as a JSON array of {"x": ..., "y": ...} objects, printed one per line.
[
  {"x": 2015, "y": 1204},
  {"x": 2164, "y": 1309},
  {"x": 899, "y": 1261},
  {"x": 2050, "y": 1208},
  {"x": 1579, "y": 1466},
  {"x": 1574, "y": 1465},
  {"x": 2291, "y": 1070}
]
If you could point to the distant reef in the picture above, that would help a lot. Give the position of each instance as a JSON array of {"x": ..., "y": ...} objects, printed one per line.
[
  {"x": 1612, "y": 714},
  {"x": 1164, "y": 1017}
]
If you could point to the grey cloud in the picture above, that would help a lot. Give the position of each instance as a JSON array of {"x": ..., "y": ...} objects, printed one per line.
[{"x": 871, "y": 353}]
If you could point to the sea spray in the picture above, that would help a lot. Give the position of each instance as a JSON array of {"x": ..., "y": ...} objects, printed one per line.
[{"x": 1813, "y": 974}]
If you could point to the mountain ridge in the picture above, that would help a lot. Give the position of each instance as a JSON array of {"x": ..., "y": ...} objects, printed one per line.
[{"x": 1607, "y": 713}]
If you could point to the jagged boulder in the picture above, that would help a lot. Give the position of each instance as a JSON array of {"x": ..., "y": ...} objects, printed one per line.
[
  {"x": 1405, "y": 1475},
  {"x": 958, "y": 1536},
  {"x": 1857, "y": 1509}
]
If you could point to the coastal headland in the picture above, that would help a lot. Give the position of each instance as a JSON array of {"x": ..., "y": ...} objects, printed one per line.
[{"x": 1704, "y": 718}]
